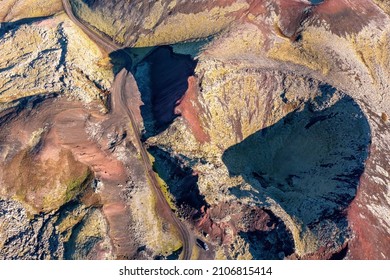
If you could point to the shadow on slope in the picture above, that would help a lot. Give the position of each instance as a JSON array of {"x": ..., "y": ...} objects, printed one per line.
[
  {"x": 309, "y": 162},
  {"x": 182, "y": 183}
]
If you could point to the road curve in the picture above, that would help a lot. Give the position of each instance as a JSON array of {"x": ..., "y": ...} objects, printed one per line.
[{"x": 119, "y": 102}]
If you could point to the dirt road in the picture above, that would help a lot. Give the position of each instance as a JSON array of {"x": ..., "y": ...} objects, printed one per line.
[{"x": 119, "y": 105}]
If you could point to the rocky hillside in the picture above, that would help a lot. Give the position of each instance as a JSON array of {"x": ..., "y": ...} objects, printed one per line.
[
  {"x": 14, "y": 10},
  {"x": 289, "y": 106},
  {"x": 267, "y": 121},
  {"x": 144, "y": 23}
]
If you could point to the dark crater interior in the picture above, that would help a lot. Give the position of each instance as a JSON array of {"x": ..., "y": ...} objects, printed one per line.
[
  {"x": 162, "y": 79},
  {"x": 182, "y": 183},
  {"x": 309, "y": 162}
]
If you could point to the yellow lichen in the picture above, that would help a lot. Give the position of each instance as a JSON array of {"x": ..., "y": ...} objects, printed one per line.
[
  {"x": 12, "y": 10},
  {"x": 304, "y": 240},
  {"x": 154, "y": 15},
  {"x": 305, "y": 54},
  {"x": 172, "y": 4},
  {"x": 384, "y": 4},
  {"x": 43, "y": 186},
  {"x": 373, "y": 52},
  {"x": 76, "y": 186},
  {"x": 68, "y": 222},
  {"x": 237, "y": 250},
  {"x": 220, "y": 254},
  {"x": 92, "y": 229},
  {"x": 195, "y": 253},
  {"x": 182, "y": 27},
  {"x": 175, "y": 28},
  {"x": 93, "y": 226},
  {"x": 160, "y": 235},
  {"x": 108, "y": 26},
  {"x": 33, "y": 62},
  {"x": 251, "y": 17},
  {"x": 157, "y": 233},
  {"x": 35, "y": 137},
  {"x": 166, "y": 193},
  {"x": 163, "y": 186}
]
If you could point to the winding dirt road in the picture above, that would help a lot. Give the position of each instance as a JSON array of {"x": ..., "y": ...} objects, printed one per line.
[{"x": 119, "y": 105}]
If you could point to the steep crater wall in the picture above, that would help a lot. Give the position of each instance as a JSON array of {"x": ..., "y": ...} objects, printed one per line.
[{"x": 310, "y": 162}]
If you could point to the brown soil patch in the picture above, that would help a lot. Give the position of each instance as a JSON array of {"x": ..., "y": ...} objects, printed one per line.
[{"x": 188, "y": 108}]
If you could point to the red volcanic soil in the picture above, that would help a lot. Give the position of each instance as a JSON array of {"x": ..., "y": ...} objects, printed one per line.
[
  {"x": 86, "y": 138},
  {"x": 292, "y": 14},
  {"x": 242, "y": 218},
  {"x": 339, "y": 6},
  {"x": 257, "y": 7},
  {"x": 69, "y": 130},
  {"x": 342, "y": 16},
  {"x": 67, "y": 127},
  {"x": 265, "y": 234},
  {"x": 193, "y": 8},
  {"x": 188, "y": 107},
  {"x": 370, "y": 237},
  {"x": 363, "y": 246},
  {"x": 347, "y": 16}
]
